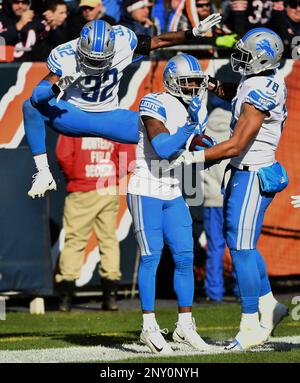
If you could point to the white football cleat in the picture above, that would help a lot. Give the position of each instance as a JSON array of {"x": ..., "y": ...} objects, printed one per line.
[
  {"x": 270, "y": 320},
  {"x": 187, "y": 334},
  {"x": 42, "y": 182},
  {"x": 248, "y": 338},
  {"x": 152, "y": 337}
]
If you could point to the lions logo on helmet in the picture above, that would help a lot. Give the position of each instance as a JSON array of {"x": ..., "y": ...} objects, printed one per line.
[
  {"x": 183, "y": 77},
  {"x": 259, "y": 50},
  {"x": 95, "y": 49}
]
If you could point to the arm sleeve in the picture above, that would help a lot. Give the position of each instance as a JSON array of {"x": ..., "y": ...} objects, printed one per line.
[
  {"x": 65, "y": 150},
  {"x": 168, "y": 145}
]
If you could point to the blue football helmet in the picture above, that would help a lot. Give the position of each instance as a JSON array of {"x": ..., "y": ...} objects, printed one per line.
[
  {"x": 258, "y": 50},
  {"x": 95, "y": 48},
  {"x": 179, "y": 74}
]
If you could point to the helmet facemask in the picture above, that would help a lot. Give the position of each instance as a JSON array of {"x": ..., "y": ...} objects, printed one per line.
[
  {"x": 180, "y": 86},
  {"x": 91, "y": 66},
  {"x": 241, "y": 60}
]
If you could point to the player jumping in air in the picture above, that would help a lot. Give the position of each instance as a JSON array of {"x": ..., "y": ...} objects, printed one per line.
[
  {"x": 258, "y": 116},
  {"x": 86, "y": 73},
  {"x": 155, "y": 201}
]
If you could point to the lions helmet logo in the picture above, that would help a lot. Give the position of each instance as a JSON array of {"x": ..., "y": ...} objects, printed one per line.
[{"x": 265, "y": 46}]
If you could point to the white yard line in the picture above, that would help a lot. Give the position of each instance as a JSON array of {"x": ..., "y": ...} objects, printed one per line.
[{"x": 126, "y": 351}]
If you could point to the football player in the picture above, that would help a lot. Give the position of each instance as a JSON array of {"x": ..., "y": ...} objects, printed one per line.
[
  {"x": 86, "y": 72},
  {"x": 159, "y": 212},
  {"x": 258, "y": 116}
]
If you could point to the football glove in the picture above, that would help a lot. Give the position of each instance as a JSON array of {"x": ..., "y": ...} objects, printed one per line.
[
  {"x": 63, "y": 83},
  {"x": 206, "y": 24}
]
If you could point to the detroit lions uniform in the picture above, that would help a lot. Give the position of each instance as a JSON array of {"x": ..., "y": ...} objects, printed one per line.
[
  {"x": 159, "y": 211},
  {"x": 268, "y": 94},
  {"x": 152, "y": 176},
  {"x": 94, "y": 93},
  {"x": 89, "y": 106},
  {"x": 244, "y": 202}
]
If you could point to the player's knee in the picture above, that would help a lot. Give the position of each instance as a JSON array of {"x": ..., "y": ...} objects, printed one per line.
[
  {"x": 28, "y": 108},
  {"x": 150, "y": 262},
  {"x": 184, "y": 260}
]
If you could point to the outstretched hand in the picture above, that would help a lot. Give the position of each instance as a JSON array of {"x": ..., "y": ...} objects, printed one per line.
[{"x": 206, "y": 24}]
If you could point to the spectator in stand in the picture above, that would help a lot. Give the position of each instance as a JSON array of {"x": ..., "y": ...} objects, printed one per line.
[
  {"x": 113, "y": 8},
  {"x": 291, "y": 26},
  {"x": 89, "y": 10},
  {"x": 55, "y": 15},
  {"x": 136, "y": 16},
  {"x": 21, "y": 27},
  {"x": 248, "y": 14},
  {"x": 189, "y": 13},
  {"x": 92, "y": 167}
]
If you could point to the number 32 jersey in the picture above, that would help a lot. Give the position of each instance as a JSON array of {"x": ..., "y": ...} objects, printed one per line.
[
  {"x": 268, "y": 94},
  {"x": 94, "y": 93}
]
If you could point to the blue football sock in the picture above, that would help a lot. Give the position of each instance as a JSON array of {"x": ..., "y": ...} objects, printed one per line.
[
  {"x": 248, "y": 278},
  {"x": 184, "y": 278},
  {"x": 35, "y": 130},
  {"x": 147, "y": 280},
  {"x": 264, "y": 279}
]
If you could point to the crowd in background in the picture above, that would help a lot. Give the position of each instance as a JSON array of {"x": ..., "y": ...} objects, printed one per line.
[{"x": 35, "y": 27}]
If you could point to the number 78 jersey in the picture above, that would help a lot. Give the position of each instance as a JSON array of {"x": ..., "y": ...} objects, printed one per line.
[
  {"x": 268, "y": 94},
  {"x": 94, "y": 93}
]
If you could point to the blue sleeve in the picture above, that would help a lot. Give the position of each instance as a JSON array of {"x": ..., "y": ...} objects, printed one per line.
[
  {"x": 53, "y": 63},
  {"x": 42, "y": 93},
  {"x": 166, "y": 145},
  {"x": 260, "y": 100}
]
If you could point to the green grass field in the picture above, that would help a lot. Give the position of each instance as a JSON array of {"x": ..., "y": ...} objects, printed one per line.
[{"x": 118, "y": 331}]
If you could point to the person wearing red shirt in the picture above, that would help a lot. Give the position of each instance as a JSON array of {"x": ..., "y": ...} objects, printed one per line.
[{"x": 92, "y": 167}]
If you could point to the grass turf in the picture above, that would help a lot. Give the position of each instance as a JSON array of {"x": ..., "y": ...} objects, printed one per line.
[{"x": 22, "y": 331}]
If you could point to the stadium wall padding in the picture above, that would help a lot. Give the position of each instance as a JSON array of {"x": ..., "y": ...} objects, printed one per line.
[{"x": 31, "y": 235}]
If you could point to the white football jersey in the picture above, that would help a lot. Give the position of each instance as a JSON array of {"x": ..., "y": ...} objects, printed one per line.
[
  {"x": 94, "y": 93},
  {"x": 266, "y": 93},
  {"x": 152, "y": 176}
]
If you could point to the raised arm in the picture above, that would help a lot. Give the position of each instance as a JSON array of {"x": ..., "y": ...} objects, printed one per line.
[{"x": 169, "y": 39}]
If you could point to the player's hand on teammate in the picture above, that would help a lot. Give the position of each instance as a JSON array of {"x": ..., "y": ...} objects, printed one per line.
[
  {"x": 295, "y": 201},
  {"x": 206, "y": 24}
]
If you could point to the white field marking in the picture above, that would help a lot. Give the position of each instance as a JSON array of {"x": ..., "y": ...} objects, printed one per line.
[{"x": 129, "y": 351}]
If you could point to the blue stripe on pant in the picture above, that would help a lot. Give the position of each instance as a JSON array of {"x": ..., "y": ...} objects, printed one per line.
[
  {"x": 244, "y": 209},
  {"x": 117, "y": 125},
  {"x": 157, "y": 221}
]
